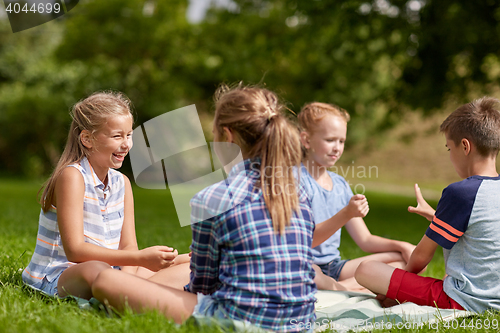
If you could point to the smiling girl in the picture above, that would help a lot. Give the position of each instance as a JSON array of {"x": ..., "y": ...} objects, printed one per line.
[{"x": 86, "y": 224}]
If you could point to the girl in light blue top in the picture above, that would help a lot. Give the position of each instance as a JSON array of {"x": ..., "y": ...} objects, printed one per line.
[
  {"x": 323, "y": 134},
  {"x": 86, "y": 224}
]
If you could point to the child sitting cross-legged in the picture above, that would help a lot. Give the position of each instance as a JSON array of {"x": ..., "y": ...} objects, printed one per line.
[
  {"x": 465, "y": 224},
  {"x": 86, "y": 223},
  {"x": 323, "y": 135}
]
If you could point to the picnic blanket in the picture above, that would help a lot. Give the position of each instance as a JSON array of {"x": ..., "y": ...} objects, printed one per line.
[
  {"x": 343, "y": 311},
  {"x": 340, "y": 311}
]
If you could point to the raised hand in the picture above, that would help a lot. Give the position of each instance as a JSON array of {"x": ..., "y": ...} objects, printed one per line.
[
  {"x": 423, "y": 208},
  {"x": 358, "y": 206},
  {"x": 157, "y": 257}
]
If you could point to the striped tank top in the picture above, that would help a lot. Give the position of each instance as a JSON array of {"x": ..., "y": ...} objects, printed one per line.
[{"x": 102, "y": 224}]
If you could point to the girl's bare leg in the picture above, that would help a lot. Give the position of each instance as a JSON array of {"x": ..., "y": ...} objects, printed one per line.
[
  {"x": 352, "y": 285},
  {"x": 346, "y": 278},
  {"x": 392, "y": 258},
  {"x": 325, "y": 282},
  {"x": 176, "y": 276},
  {"x": 166, "y": 276},
  {"x": 120, "y": 289},
  {"x": 77, "y": 280}
]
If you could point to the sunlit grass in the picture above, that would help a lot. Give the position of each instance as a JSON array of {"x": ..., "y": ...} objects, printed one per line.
[{"x": 22, "y": 310}]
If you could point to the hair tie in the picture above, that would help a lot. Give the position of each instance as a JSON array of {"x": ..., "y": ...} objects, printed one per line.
[{"x": 270, "y": 114}]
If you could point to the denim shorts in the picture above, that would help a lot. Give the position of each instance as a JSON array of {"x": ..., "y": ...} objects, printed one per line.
[
  {"x": 333, "y": 268},
  {"x": 48, "y": 288},
  {"x": 207, "y": 306},
  {"x": 208, "y": 312}
]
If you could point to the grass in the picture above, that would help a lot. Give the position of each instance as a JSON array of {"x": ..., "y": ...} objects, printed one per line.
[{"x": 22, "y": 310}]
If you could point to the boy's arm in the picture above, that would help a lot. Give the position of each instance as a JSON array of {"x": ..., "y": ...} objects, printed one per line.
[
  {"x": 357, "y": 207},
  {"x": 422, "y": 255},
  {"x": 367, "y": 242}
]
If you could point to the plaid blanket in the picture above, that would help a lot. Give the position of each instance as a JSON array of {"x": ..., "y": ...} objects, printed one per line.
[{"x": 344, "y": 311}]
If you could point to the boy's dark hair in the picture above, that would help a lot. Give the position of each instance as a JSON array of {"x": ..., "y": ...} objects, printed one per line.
[{"x": 478, "y": 122}]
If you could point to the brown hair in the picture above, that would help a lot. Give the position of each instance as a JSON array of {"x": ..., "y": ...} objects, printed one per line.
[
  {"x": 478, "y": 122},
  {"x": 256, "y": 118},
  {"x": 89, "y": 114}
]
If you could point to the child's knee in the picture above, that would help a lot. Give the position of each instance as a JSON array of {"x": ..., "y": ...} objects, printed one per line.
[
  {"x": 94, "y": 267},
  {"x": 103, "y": 280},
  {"x": 364, "y": 270}
]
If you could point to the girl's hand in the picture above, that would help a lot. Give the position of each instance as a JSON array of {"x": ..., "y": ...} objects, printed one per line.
[
  {"x": 157, "y": 257},
  {"x": 183, "y": 258},
  {"x": 358, "y": 206},
  {"x": 423, "y": 208}
]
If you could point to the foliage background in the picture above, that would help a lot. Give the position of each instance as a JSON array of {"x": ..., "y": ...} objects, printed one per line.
[
  {"x": 396, "y": 65},
  {"x": 378, "y": 59}
]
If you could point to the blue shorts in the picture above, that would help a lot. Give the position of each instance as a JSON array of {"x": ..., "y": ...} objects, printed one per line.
[
  {"x": 50, "y": 288},
  {"x": 210, "y": 312},
  {"x": 207, "y": 307},
  {"x": 333, "y": 268}
]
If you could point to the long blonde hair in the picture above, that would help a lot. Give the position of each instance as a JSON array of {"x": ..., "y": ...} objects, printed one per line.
[
  {"x": 260, "y": 127},
  {"x": 88, "y": 114}
]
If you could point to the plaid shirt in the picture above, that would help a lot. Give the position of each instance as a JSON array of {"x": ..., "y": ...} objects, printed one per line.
[{"x": 251, "y": 271}]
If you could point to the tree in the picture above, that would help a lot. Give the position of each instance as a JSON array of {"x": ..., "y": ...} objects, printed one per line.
[
  {"x": 374, "y": 58},
  {"x": 35, "y": 96},
  {"x": 457, "y": 46}
]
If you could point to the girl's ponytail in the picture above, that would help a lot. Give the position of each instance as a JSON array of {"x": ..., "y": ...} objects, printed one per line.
[
  {"x": 261, "y": 129},
  {"x": 280, "y": 152}
]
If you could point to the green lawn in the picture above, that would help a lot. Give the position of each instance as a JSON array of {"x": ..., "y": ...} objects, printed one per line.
[{"x": 22, "y": 310}]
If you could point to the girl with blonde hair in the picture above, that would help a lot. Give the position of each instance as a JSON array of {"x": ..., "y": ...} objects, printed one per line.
[
  {"x": 323, "y": 135},
  {"x": 86, "y": 223}
]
